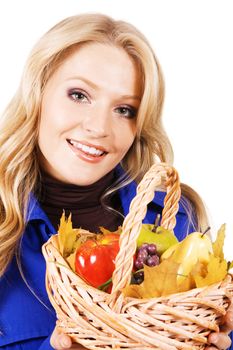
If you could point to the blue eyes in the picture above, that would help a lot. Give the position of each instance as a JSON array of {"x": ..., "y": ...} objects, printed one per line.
[{"x": 79, "y": 97}]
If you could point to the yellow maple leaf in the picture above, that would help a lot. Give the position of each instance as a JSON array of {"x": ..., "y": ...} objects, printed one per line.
[
  {"x": 158, "y": 281},
  {"x": 219, "y": 242},
  {"x": 212, "y": 272},
  {"x": 71, "y": 260},
  {"x": 135, "y": 291},
  {"x": 199, "y": 269},
  {"x": 66, "y": 236}
]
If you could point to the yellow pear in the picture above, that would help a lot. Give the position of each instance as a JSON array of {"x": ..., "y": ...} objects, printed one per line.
[
  {"x": 193, "y": 248},
  {"x": 162, "y": 238}
]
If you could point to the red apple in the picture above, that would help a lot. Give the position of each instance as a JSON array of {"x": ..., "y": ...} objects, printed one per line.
[{"x": 95, "y": 258}]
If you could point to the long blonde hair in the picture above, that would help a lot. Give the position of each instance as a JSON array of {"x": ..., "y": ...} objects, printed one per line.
[{"x": 19, "y": 166}]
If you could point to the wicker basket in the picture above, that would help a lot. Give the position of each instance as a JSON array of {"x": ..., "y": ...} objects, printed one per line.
[{"x": 99, "y": 320}]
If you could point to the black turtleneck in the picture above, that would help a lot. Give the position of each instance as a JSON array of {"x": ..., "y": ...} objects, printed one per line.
[{"x": 82, "y": 201}]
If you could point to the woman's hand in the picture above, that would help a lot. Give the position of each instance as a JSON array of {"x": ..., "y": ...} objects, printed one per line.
[
  {"x": 221, "y": 340},
  {"x": 61, "y": 341}
]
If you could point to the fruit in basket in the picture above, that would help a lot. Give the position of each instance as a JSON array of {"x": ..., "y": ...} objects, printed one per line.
[
  {"x": 95, "y": 258},
  {"x": 164, "y": 279},
  {"x": 197, "y": 246},
  {"x": 161, "y": 237},
  {"x": 145, "y": 255}
]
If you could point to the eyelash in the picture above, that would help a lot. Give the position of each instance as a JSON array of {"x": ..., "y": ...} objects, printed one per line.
[
  {"x": 131, "y": 111},
  {"x": 76, "y": 92}
]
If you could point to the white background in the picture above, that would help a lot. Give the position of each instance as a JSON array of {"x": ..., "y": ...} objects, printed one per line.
[{"x": 193, "y": 40}]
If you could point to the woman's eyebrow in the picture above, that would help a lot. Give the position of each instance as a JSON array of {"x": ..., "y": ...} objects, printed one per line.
[{"x": 96, "y": 87}]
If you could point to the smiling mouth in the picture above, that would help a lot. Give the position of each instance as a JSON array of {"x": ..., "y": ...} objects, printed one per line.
[{"x": 89, "y": 150}]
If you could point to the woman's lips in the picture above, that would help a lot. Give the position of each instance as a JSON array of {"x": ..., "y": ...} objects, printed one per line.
[{"x": 86, "y": 151}]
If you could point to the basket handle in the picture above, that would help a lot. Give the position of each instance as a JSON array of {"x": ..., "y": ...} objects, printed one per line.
[{"x": 157, "y": 175}]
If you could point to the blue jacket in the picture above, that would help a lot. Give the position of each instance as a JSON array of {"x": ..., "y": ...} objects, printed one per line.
[{"x": 27, "y": 318}]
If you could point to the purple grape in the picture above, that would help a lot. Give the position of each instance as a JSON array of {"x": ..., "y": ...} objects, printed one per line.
[
  {"x": 139, "y": 277},
  {"x": 152, "y": 260},
  {"x": 143, "y": 246},
  {"x": 139, "y": 274},
  {"x": 151, "y": 249},
  {"x": 138, "y": 264},
  {"x": 142, "y": 255},
  {"x": 139, "y": 280}
]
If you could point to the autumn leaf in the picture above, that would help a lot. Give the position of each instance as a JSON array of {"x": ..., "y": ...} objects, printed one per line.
[
  {"x": 71, "y": 260},
  {"x": 166, "y": 277},
  {"x": 219, "y": 242},
  {"x": 213, "y": 272},
  {"x": 66, "y": 236},
  {"x": 134, "y": 291},
  {"x": 161, "y": 280},
  {"x": 187, "y": 284},
  {"x": 158, "y": 281},
  {"x": 199, "y": 269},
  {"x": 70, "y": 238}
]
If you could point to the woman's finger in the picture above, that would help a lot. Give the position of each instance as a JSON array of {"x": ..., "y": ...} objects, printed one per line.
[
  {"x": 219, "y": 340},
  {"x": 227, "y": 322},
  {"x": 60, "y": 341}
]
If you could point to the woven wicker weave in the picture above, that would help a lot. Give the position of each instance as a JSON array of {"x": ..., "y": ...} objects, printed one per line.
[{"x": 99, "y": 320}]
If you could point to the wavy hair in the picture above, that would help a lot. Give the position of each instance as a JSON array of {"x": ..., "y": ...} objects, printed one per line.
[{"x": 19, "y": 168}]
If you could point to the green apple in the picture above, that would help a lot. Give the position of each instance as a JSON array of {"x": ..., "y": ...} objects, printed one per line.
[{"x": 161, "y": 237}]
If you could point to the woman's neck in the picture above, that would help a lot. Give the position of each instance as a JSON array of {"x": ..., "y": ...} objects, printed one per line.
[{"x": 84, "y": 202}]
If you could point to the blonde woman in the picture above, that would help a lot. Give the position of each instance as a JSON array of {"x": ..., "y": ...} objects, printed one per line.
[{"x": 83, "y": 128}]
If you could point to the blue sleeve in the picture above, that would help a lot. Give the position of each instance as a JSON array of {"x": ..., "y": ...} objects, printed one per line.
[
  {"x": 46, "y": 344},
  {"x": 231, "y": 336},
  {"x": 30, "y": 344}
]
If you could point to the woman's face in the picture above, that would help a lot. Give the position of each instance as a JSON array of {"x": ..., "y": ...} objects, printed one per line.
[{"x": 88, "y": 114}]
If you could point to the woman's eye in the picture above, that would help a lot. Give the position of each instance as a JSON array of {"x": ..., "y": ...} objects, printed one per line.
[
  {"x": 78, "y": 96},
  {"x": 127, "y": 112}
]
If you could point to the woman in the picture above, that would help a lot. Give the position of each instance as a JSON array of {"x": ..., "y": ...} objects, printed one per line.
[{"x": 84, "y": 123}]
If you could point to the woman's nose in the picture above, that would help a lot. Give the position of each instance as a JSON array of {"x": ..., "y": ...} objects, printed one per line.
[{"x": 97, "y": 122}]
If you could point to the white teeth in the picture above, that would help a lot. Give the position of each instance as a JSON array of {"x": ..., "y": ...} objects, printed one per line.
[{"x": 87, "y": 149}]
